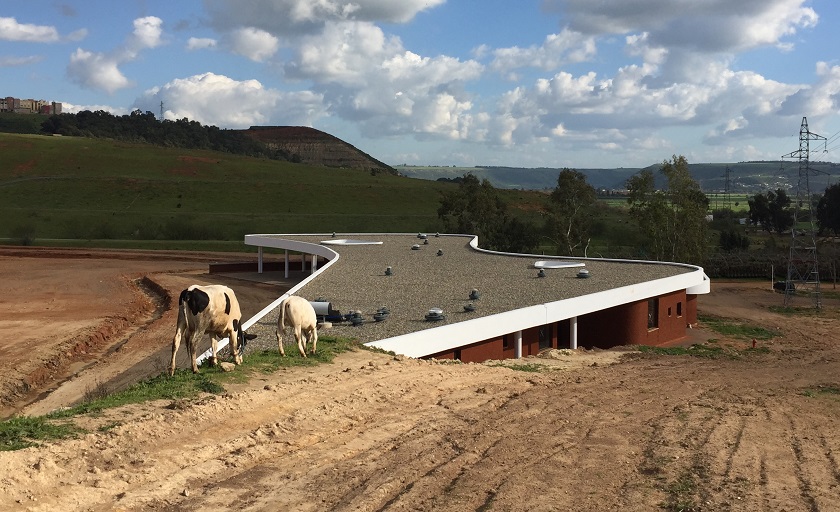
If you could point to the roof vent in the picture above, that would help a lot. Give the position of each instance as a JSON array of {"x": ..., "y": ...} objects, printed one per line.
[
  {"x": 356, "y": 318},
  {"x": 381, "y": 314},
  {"x": 583, "y": 273},
  {"x": 421, "y": 236},
  {"x": 435, "y": 314},
  {"x": 388, "y": 271},
  {"x": 469, "y": 308},
  {"x": 541, "y": 273},
  {"x": 415, "y": 247},
  {"x": 425, "y": 241},
  {"x": 474, "y": 295},
  {"x": 440, "y": 252}
]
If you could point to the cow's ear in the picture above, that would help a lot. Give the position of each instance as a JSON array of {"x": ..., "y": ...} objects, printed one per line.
[
  {"x": 227, "y": 304},
  {"x": 198, "y": 301},
  {"x": 185, "y": 295}
]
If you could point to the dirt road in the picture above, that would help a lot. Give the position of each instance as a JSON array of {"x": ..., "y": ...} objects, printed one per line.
[{"x": 604, "y": 430}]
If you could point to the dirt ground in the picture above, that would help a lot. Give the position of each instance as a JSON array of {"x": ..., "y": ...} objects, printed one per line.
[{"x": 595, "y": 430}]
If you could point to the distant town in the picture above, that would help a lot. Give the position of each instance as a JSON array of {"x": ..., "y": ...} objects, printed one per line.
[{"x": 29, "y": 106}]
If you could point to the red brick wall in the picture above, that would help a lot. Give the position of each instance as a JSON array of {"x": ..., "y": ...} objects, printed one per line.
[{"x": 622, "y": 325}]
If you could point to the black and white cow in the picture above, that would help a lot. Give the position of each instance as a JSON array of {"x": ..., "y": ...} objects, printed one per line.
[{"x": 211, "y": 309}]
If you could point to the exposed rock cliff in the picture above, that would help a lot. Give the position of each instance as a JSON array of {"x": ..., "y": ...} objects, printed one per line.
[{"x": 311, "y": 146}]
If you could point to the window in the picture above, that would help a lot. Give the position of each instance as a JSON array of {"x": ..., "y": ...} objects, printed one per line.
[
  {"x": 679, "y": 309},
  {"x": 653, "y": 313},
  {"x": 506, "y": 342},
  {"x": 457, "y": 354}
]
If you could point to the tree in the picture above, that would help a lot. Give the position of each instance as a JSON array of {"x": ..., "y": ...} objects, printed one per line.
[
  {"x": 673, "y": 221},
  {"x": 771, "y": 211},
  {"x": 828, "y": 210},
  {"x": 571, "y": 210},
  {"x": 476, "y": 208}
]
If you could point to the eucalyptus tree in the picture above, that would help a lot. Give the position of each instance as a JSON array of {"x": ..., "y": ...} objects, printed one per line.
[
  {"x": 570, "y": 217},
  {"x": 673, "y": 220}
]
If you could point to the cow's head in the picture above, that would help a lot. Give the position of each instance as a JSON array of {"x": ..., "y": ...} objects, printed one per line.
[{"x": 242, "y": 337}]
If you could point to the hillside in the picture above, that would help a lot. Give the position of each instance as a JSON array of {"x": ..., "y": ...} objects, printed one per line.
[
  {"x": 744, "y": 177},
  {"x": 99, "y": 189},
  {"x": 314, "y": 147}
]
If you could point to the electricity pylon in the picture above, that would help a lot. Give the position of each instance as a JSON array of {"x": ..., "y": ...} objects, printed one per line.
[{"x": 803, "y": 270}]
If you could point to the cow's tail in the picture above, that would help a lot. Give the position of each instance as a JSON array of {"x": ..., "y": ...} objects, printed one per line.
[{"x": 281, "y": 325}]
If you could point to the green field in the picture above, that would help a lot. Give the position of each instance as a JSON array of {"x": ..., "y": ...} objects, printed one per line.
[{"x": 102, "y": 190}]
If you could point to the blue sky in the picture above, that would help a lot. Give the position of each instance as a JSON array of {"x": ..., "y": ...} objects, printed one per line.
[{"x": 532, "y": 83}]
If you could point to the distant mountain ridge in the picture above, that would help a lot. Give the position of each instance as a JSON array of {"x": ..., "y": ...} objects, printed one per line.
[
  {"x": 744, "y": 177},
  {"x": 314, "y": 147}
]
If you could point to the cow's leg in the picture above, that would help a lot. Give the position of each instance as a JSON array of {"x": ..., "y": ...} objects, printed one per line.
[
  {"x": 234, "y": 346},
  {"x": 280, "y": 332},
  {"x": 192, "y": 346},
  {"x": 299, "y": 338},
  {"x": 176, "y": 342},
  {"x": 314, "y": 338},
  {"x": 214, "y": 345}
]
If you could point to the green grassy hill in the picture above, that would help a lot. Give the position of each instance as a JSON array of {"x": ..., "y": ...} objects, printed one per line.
[{"x": 116, "y": 193}]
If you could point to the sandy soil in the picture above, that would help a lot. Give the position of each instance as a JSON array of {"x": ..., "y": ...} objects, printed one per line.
[{"x": 596, "y": 430}]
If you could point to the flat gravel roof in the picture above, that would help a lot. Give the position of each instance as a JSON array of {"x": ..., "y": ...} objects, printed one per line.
[{"x": 441, "y": 274}]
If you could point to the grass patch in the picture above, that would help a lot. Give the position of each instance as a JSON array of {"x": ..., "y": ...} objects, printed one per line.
[
  {"x": 737, "y": 329},
  {"x": 696, "y": 350},
  {"x": 526, "y": 367},
  {"x": 23, "y": 432},
  {"x": 822, "y": 390},
  {"x": 681, "y": 494}
]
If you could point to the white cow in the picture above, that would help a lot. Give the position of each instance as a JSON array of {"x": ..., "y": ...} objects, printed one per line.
[
  {"x": 212, "y": 309},
  {"x": 297, "y": 313}
]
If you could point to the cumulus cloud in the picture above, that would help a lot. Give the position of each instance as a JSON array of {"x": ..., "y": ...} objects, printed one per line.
[
  {"x": 712, "y": 25},
  {"x": 96, "y": 70},
  {"x": 557, "y": 49},
  {"x": 222, "y": 101},
  {"x": 255, "y": 44},
  {"x": 300, "y": 16},
  {"x": 11, "y": 30},
  {"x": 200, "y": 43}
]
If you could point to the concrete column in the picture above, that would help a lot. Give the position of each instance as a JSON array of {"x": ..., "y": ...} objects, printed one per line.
[
  {"x": 314, "y": 263},
  {"x": 259, "y": 259},
  {"x": 287, "y": 264},
  {"x": 517, "y": 344},
  {"x": 573, "y": 333}
]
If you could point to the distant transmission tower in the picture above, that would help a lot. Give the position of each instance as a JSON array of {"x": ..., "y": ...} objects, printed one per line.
[
  {"x": 161, "y": 111},
  {"x": 803, "y": 269},
  {"x": 726, "y": 190}
]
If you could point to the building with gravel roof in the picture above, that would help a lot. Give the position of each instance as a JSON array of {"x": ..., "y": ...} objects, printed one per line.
[{"x": 449, "y": 299}]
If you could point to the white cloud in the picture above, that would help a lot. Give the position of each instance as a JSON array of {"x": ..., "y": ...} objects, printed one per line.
[
  {"x": 255, "y": 44},
  {"x": 11, "y": 30},
  {"x": 300, "y": 16},
  {"x": 222, "y": 101},
  {"x": 8, "y": 62},
  {"x": 557, "y": 49},
  {"x": 710, "y": 26},
  {"x": 71, "y": 108},
  {"x": 200, "y": 43},
  {"x": 147, "y": 33},
  {"x": 96, "y": 71}
]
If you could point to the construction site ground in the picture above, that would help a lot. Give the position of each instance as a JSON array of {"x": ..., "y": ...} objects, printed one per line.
[{"x": 750, "y": 429}]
